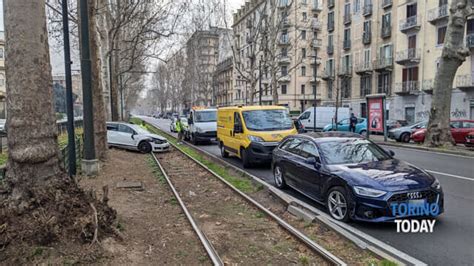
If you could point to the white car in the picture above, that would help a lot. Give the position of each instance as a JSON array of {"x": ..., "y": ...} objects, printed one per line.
[{"x": 134, "y": 137}]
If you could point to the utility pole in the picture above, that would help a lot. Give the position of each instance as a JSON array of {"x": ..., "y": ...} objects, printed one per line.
[
  {"x": 315, "y": 75},
  {"x": 260, "y": 81},
  {"x": 71, "y": 144},
  {"x": 121, "y": 97},
  {"x": 90, "y": 164}
]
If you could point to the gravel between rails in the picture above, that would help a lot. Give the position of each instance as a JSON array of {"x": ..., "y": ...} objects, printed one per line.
[{"x": 238, "y": 231}]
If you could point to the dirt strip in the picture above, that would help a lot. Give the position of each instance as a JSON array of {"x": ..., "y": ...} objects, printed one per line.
[{"x": 239, "y": 231}]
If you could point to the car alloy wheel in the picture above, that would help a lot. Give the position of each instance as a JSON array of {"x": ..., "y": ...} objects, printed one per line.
[
  {"x": 224, "y": 153},
  {"x": 405, "y": 137},
  {"x": 337, "y": 205},
  {"x": 278, "y": 176},
  {"x": 144, "y": 147}
]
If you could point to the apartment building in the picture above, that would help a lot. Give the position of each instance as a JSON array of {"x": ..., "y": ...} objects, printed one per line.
[
  {"x": 280, "y": 38},
  {"x": 223, "y": 82},
  {"x": 3, "y": 91},
  {"x": 203, "y": 51},
  {"x": 363, "y": 47}
]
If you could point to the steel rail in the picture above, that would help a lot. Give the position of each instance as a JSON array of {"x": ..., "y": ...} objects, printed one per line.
[
  {"x": 216, "y": 260},
  {"x": 292, "y": 230}
]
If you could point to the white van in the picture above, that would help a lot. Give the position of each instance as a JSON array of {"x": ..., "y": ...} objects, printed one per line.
[
  {"x": 202, "y": 125},
  {"x": 324, "y": 116}
]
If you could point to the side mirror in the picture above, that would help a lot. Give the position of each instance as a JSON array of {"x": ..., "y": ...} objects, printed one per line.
[
  {"x": 133, "y": 135},
  {"x": 392, "y": 153},
  {"x": 316, "y": 161}
]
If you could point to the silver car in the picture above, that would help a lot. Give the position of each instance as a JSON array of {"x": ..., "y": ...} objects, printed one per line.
[{"x": 402, "y": 134}]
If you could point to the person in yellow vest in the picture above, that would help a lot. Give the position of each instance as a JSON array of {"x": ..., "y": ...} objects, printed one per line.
[{"x": 179, "y": 129}]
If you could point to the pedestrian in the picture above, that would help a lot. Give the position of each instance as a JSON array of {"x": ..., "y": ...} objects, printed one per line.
[
  {"x": 179, "y": 129},
  {"x": 352, "y": 123}
]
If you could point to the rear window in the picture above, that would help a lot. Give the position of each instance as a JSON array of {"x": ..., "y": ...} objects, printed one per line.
[{"x": 468, "y": 125}]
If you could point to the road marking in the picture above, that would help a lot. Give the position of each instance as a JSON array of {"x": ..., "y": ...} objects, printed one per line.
[
  {"x": 418, "y": 150},
  {"x": 445, "y": 174}
]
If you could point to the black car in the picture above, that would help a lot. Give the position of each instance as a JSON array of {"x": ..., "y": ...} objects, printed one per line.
[{"x": 354, "y": 177}]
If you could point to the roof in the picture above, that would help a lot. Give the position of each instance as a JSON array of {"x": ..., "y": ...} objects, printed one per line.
[
  {"x": 331, "y": 135},
  {"x": 254, "y": 107}
]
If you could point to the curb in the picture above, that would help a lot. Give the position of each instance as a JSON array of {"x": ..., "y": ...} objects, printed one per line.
[
  {"x": 361, "y": 239},
  {"x": 448, "y": 152}
]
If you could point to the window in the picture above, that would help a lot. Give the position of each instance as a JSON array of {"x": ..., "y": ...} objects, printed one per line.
[
  {"x": 112, "y": 127},
  {"x": 441, "y": 35},
  {"x": 346, "y": 88},
  {"x": 284, "y": 71},
  {"x": 303, "y": 35},
  {"x": 347, "y": 9},
  {"x": 356, "y": 6},
  {"x": 308, "y": 149},
  {"x": 331, "y": 21},
  {"x": 365, "y": 85},
  {"x": 330, "y": 85},
  {"x": 283, "y": 89},
  {"x": 305, "y": 115},
  {"x": 466, "y": 124},
  {"x": 292, "y": 145},
  {"x": 384, "y": 81},
  {"x": 331, "y": 40},
  {"x": 305, "y": 16},
  {"x": 237, "y": 120},
  {"x": 284, "y": 51},
  {"x": 125, "y": 129},
  {"x": 303, "y": 89},
  {"x": 303, "y": 71},
  {"x": 1, "y": 53},
  {"x": 303, "y": 52},
  {"x": 411, "y": 10}
]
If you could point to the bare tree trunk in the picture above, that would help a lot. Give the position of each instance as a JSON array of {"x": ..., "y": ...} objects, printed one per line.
[
  {"x": 274, "y": 88},
  {"x": 114, "y": 86},
  {"x": 32, "y": 133},
  {"x": 453, "y": 55},
  {"x": 100, "y": 129}
]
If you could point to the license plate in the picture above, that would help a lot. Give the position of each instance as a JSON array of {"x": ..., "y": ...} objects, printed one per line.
[
  {"x": 417, "y": 202},
  {"x": 213, "y": 139}
]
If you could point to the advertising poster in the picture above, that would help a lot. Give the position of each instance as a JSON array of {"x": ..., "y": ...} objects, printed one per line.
[{"x": 375, "y": 122}]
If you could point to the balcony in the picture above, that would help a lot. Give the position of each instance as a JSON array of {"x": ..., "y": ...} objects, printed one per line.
[
  {"x": 387, "y": 89},
  {"x": 386, "y": 31},
  {"x": 317, "y": 6},
  {"x": 386, "y": 3},
  {"x": 383, "y": 64},
  {"x": 318, "y": 43},
  {"x": 367, "y": 10},
  {"x": 470, "y": 40},
  {"x": 411, "y": 23},
  {"x": 331, "y": 3},
  {"x": 286, "y": 23},
  {"x": 427, "y": 86},
  {"x": 347, "y": 18},
  {"x": 330, "y": 49},
  {"x": 408, "y": 56},
  {"x": 284, "y": 40},
  {"x": 438, "y": 13},
  {"x": 363, "y": 68},
  {"x": 346, "y": 44},
  {"x": 328, "y": 74},
  {"x": 345, "y": 70},
  {"x": 316, "y": 24},
  {"x": 284, "y": 59},
  {"x": 465, "y": 82},
  {"x": 284, "y": 78},
  {"x": 411, "y": 87},
  {"x": 366, "y": 37}
]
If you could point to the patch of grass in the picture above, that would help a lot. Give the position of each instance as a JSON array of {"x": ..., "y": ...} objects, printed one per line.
[
  {"x": 173, "y": 201},
  {"x": 37, "y": 251},
  {"x": 3, "y": 158},
  {"x": 242, "y": 183},
  {"x": 120, "y": 226},
  {"x": 385, "y": 262},
  {"x": 303, "y": 259},
  {"x": 202, "y": 258},
  {"x": 156, "y": 170},
  {"x": 260, "y": 215}
]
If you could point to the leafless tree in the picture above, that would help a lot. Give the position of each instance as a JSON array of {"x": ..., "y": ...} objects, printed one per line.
[{"x": 453, "y": 55}]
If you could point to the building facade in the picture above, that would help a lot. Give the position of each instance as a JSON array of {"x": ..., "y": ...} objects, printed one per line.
[
  {"x": 224, "y": 82},
  {"x": 363, "y": 47}
]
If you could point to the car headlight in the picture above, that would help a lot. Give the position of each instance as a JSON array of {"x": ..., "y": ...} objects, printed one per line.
[
  {"x": 255, "y": 139},
  {"x": 159, "y": 141},
  {"x": 436, "y": 185},
  {"x": 369, "y": 192}
]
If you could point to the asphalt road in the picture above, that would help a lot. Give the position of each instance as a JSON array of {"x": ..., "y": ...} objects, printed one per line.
[{"x": 451, "y": 243}]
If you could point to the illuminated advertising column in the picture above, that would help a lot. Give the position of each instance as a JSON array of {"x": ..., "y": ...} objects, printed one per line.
[{"x": 376, "y": 115}]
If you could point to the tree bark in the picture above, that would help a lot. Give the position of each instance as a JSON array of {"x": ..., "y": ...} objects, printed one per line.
[
  {"x": 31, "y": 122},
  {"x": 100, "y": 129},
  {"x": 453, "y": 55},
  {"x": 274, "y": 88}
]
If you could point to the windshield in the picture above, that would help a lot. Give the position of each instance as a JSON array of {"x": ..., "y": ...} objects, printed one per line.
[
  {"x": 348, "y": 151},
  {"x": 265, "y": 120},
  {"x": 139, "y": 129},
  {"x": 205, "y": 116}
]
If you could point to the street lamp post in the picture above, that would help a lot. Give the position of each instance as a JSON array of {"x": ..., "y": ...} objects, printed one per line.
[
  {"x": 89, "y": 163},
  {"x": 260, "y": 81},
  {"x": 315, "y": 74},
  {"x": 71, "y": 144}
]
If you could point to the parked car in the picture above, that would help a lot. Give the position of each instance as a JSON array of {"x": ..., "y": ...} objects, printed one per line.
[
  {"x": 134, "y": 137},
  {"x": 202, "y": 125},
  {"x": 343, "y": 125},
  {"x": 354, "y": 177},
  {"x": 470, "y": 139},
  {"x": 403, "y": 134},
  {"x": 459, "y": 130},
  {"x": 393, "y": 124}
]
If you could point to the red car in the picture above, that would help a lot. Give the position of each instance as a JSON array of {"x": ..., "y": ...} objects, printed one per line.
[
  {"x": 459, "y": 129},
  {"x": 470, "y": 139}
]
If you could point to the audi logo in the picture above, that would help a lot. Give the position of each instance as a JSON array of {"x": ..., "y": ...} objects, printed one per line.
[{"x": 414, "y": 195}]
